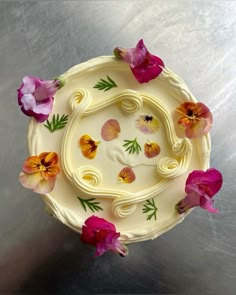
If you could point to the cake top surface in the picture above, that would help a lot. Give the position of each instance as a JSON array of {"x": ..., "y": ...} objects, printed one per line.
[{"x": 121, "y": 152}]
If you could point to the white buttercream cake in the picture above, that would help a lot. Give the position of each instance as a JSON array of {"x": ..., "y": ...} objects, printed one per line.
[{"x": 120, "y": 151}]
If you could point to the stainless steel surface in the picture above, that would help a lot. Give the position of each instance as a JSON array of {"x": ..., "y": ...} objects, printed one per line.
[{"x": 197, "y": 39}]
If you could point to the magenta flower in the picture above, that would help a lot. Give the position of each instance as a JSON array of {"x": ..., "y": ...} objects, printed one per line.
[
  {"x": 143, "y": 64},
  {"x": 102, "y": 234},
  {"x": 35, "y": 96},
  {"x": 200, "y": 188}
]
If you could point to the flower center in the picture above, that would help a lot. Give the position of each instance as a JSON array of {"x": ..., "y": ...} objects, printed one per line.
[
  {"x": 148, "y": 119},
  {"x": 42, "y": 167},
  {"x": 93, "y": 145},
  {"x": 190, "y": 113}
]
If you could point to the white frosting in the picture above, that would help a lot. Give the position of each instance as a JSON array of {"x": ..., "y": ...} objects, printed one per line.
[{"x": 161, "y": 178}]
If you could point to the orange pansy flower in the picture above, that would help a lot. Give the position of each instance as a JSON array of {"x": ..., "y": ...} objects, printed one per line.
[
  {"x": 40, "y": 172},
  {"x": 196, "y": 118},
  {"x": 88, "y": 146}
]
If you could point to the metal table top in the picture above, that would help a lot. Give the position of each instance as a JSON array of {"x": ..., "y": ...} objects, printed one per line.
[{"x": 197, "y": 39}]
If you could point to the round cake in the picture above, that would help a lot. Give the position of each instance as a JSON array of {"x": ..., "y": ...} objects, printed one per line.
[{"x": 121, "y": 151}]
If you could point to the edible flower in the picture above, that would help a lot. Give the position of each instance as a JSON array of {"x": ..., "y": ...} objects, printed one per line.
[
  {"x": 196, "y": 118},
  {"x": 200, "y": 188},
  {"x": 147, "y": 124},
  {"x": 110, "y": 130},
  {"x": 143, "y": 64},
  {"x": 40, "y": 172},
  {"x": 88, "y": 146},
  {"x": 151, "y": 149},
  {"x": 35, "y": 96},
  {"x": 102, "y": 234},
  {"x": 126, "y": 175}
]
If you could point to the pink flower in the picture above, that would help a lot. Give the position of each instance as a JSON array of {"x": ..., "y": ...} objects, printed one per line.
[
  {"x": 40, "y": 172},
  {"x": 102, "y": 234},
  {"x": 196, "y": 118},
  {"x": 35, "y": 96},
  {"x": 200, "y": 188},
  {"x": 144, "y": 65}
]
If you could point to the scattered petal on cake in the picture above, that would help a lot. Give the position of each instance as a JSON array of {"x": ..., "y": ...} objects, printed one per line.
[
  {"x": 196, "y": 118},
  {"x": 88, "y": 146},
  {"x": 110, "y": 130},
  {"x": 200, "y": 188},
  {"x": 147, "y": 124},
  {"x": 151, "y": 149},
  {"x": 35, "y": 96},
  {"x": 102, "y": 234},
  {"x": 40, "y": 172},
  {"x": 143, "y": 64},
  {"x": 126, "y": 175}
]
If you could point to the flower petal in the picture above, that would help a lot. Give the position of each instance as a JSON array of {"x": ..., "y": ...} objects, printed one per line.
[
  {"x": 29, "y": 84},
  {"x": 208, "y": 206},
  {"x": 203, "y": 111},
  {"x": 28, "y": 102},
  {"x": 147, "y": 124},
  {"x": 144, "y": 65},
  {"x": 32, "y": 164},
  {"x": 196, "y": 129},
  {"x": 209, "y": 181},
  {"x": 126, "y": 175},
  {"x": 110, "y": 130},
  {"x": 30, "y": 181},
  {"x": 44, "y": 108},
  {"x": 39, "y": 117},
  {"x": 88, "y": 146},
  {"x": 133, "y": 56},
  {"x": 48, "y": 158},
  {"x": 110, "y": 242},
  {"x": 45, "y": 185},
  {"x": 92, "y": 225},
  {"x": 46, "y": 90},
  {"x": 149, "y": 70},
  {"x": 151, "y": 149}
]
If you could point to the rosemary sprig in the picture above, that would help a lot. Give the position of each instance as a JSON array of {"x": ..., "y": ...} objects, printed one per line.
[
  {"x": 132, "y": 146},
  {"x": 89, "y": 203},
  {"x": 150, "y": 206},
  {"x": 105, "y": 85},
  {"x": 57, "y": 122}
]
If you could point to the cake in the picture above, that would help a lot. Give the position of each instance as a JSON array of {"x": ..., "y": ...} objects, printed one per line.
[{"x": 119, "y": 151}]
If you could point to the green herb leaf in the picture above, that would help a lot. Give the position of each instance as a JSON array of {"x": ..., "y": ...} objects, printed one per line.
[
  {"x": 132, "y": 146},
  {"x": 105, "y": 85},
  {"x": 57, "y": 122},
  {"x": 150, "y": 206},
  {"x": 90, "y": 203}
]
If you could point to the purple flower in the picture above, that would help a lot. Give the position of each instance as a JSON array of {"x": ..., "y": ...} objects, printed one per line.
[
  {"x": 144, "y": 65},
  {"x": 35, "y": 97},
  {"x": 200, "y": 188},
  {"x": 102, "y": 234}
]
